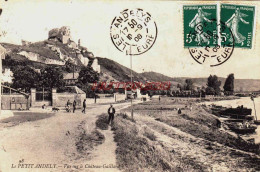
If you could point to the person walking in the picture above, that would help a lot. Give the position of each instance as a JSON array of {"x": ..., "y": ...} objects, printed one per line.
[
  {"x": 111, "y": 112},
  {"x": 179, "y": 110},
  {"x": 84, "y": 106},
  {"x": 218, "y": 123},
  {"x": 68, "y": 106},
  {"x": 74, "y": 106}
]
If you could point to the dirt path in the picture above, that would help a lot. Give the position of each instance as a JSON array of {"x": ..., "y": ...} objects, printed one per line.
[
  {"x": 52, "y": 141},
  {"x": 104, "y": 155}
]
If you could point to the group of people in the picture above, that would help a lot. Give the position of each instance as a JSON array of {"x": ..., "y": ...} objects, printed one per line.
[
  {"x": 74, "y": 104},
  {"x": 111, "y": 110}
]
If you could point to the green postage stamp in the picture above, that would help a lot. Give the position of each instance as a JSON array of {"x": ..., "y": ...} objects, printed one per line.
[
  {"x": 240, "y": 20},
  {"x": 200, "y": 27}
]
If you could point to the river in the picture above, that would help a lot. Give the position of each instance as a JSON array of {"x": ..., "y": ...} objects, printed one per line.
[{"x": 246, "y": 102}]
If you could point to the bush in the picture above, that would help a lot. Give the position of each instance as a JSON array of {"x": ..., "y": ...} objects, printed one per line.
[{"x": 102, "y": 122}]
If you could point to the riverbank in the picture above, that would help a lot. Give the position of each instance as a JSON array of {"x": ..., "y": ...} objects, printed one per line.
[
  {"x": 160, "y": 139},
  {"x": 212, "y": 99}
]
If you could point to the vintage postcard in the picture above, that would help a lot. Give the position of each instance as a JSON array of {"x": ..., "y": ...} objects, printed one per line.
[{"x": 133, "y": 86}]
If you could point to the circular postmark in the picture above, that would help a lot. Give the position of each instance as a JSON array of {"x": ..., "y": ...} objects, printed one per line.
[
  {"x": 215, "y": 43},
  {"x": 133, "y": 31}
]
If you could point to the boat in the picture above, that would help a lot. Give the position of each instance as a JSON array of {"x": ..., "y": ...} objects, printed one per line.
[
  {"x": 242, "y": 128},
  {"x": 216, "y": 110},
  {"x": 236, "y": 113}
]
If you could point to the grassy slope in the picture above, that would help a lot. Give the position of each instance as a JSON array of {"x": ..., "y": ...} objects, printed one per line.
[
  {"x": 41, "y": 49},
  {"x": 197, "y": 122},
  {"x": 162, "y": 140},
  {"x": 153, "y": 76},
  {"x": 38, "y": 48},
  {"x": 136, "y": 149}
]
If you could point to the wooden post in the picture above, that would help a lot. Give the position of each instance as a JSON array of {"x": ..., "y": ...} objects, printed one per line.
[{"x": 132, "y": 110}]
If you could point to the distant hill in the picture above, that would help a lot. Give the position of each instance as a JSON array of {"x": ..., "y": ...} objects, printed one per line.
[
  {"x": 154, "y": 76},
  {"x": 118, "y": 71},
  {"x": 240, "y": 84}
]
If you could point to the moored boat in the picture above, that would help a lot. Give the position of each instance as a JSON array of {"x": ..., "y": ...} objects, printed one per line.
[
  {"x": 242, "y": 128},
  {"x": 236, "y": 113}
]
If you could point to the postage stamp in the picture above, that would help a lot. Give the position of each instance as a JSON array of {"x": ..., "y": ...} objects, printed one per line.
[
  {"x": 240, "y": 19},
  {"x": 194, "y": 17},
  {"x": 133, "y": 31},
  {"x": 208, "y": 39}
]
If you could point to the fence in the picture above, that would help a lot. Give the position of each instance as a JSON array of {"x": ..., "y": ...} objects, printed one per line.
[{"x": 14, "y": 102}]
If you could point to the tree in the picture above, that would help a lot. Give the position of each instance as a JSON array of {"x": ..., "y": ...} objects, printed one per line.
[
  {"x": 87, "y": 75},
  {"x": 229, "y": 84},
  {"x": 214, "y": 83},
  {"x": 179, "y": 86},
  {"x": 188, "y": 84},
  {"x": 52, "y": 78},
  {"x": 25, "y": 78},
  {"x": 69, "y": 66},
  {"x": 210, "y": 91}
]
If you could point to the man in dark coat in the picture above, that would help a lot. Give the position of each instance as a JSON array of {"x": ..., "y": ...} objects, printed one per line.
[
  {"x": 84, "y": 106},
  {"x": 111, "y": 112},
  {"x": 74, "y": 105}
]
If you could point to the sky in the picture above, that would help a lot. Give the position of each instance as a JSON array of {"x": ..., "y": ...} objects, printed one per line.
[{"x": 90, "y": 22}]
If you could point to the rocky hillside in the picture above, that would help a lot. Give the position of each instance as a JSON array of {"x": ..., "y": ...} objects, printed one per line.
[{"x": 56, "y": 50}]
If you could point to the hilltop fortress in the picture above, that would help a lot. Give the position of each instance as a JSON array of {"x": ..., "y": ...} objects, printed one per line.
[{"x": 58, "y": 49}]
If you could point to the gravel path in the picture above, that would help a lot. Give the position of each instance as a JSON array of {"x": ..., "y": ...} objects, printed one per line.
[{"x": 52, "y": 141}]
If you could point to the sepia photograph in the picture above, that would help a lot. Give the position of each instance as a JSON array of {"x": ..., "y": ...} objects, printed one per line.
[{"x": 130, "y": 86}]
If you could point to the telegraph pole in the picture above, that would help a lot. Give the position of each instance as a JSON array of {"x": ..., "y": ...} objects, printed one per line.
[{"x": 132, "y": 111}]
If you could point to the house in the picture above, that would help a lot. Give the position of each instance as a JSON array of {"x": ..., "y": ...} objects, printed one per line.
[
  {"x": 70, "y": 78},
  {"x": 95, "y": 65},
  {"x": 7, "y": 75}
]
